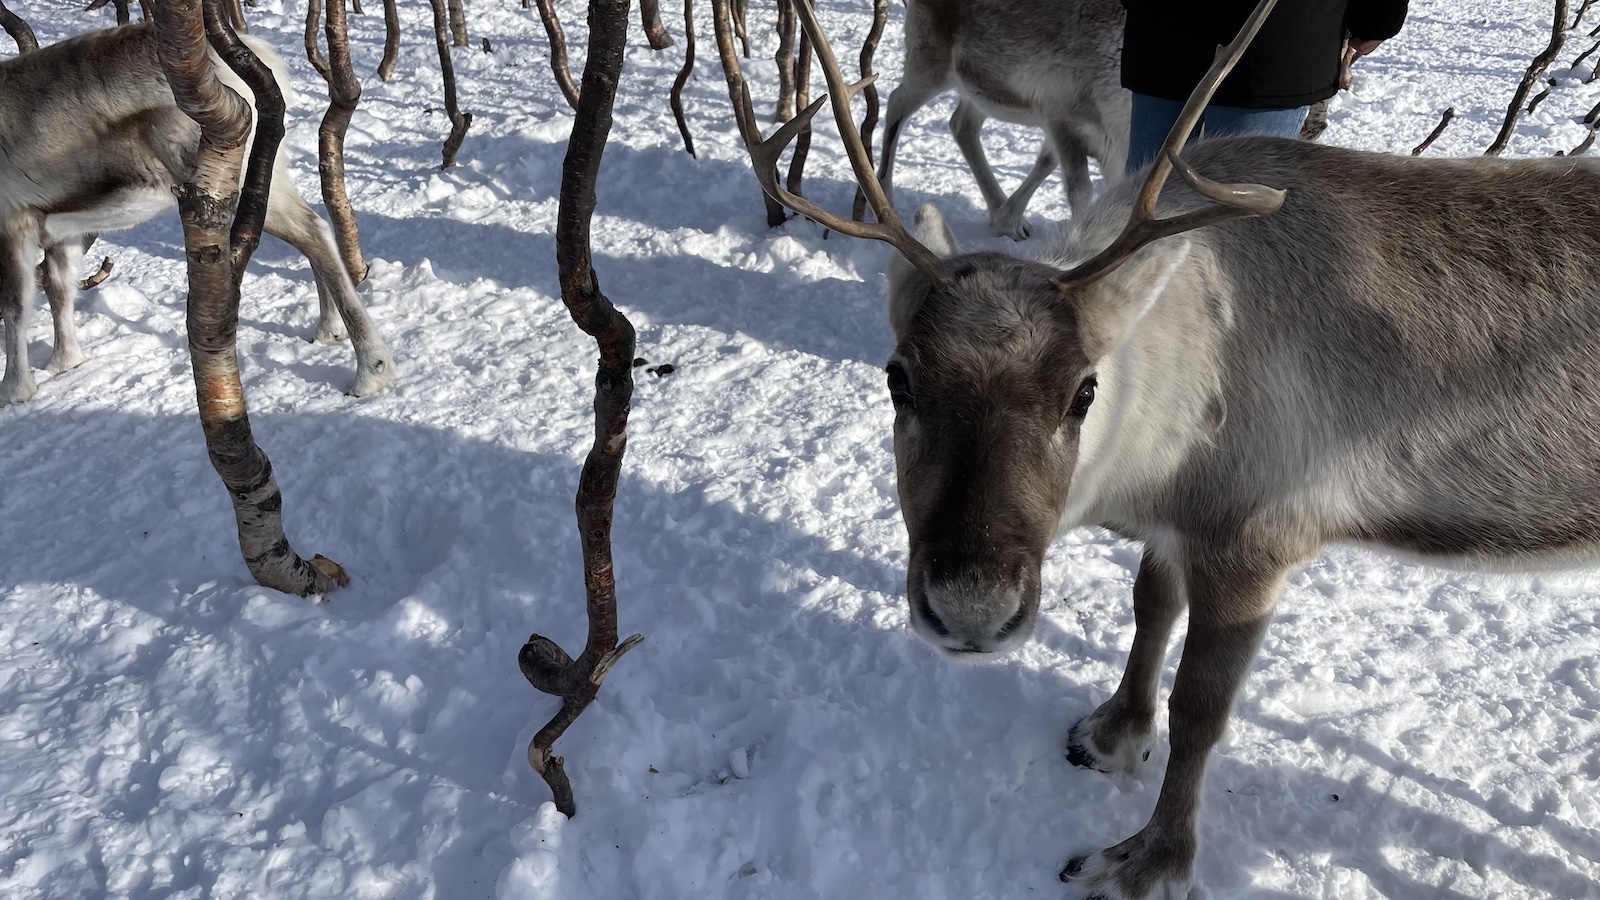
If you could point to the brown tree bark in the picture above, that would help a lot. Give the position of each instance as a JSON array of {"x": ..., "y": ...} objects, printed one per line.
[
  {"x": 217, "y": 256},
  {"x": 458, "y": 22},
  {"x": 558, "y": 51},
  {"x": 391, "y": 40},
  {"x": 314, "y": 52},
  {"x": 546, "y": 666},
  {"x": 784, "y": 59},
  {"x": 654, "y": 31},
  {"x": 459, "y": 122},
  {"x": 1558, "y": 33},
  {"x": 344, "y": 93},
  {"x": 1444, "y": 121},
  {"x": 18, "y": 29},
  {"x": 722, "y": 22},
  {"x": 802, "y": 99},
  {"x": 676, "y": 97},
  {"x": 869, "y": 121},
  {"x": 236, "y": 16}
]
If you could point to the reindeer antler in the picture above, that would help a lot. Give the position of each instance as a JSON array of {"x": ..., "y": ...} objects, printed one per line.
[
  {"x": 1235, "y": 201},
  {"x": 764, "y": 154}
]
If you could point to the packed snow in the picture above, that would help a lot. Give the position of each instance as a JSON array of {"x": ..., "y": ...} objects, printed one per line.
[{"x": 170, "y": 730}]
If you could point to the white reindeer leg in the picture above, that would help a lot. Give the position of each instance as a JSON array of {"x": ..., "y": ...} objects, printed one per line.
[
  {"x": 18, "y": 251},
  {"x": 1230, "y": 599},
  {"x": 1116, "y": 737},
  {"x": 61, "y": 262}
]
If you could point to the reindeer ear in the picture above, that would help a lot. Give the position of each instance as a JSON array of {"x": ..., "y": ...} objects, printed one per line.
[
  {"x": 907, "y": 286},
  {"x": 1109, "y": 308}
]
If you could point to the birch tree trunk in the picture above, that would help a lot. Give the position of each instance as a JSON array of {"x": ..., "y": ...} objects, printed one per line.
[
  {"x": 344, "y": 92},
  {"x": 217, "y": 256}
]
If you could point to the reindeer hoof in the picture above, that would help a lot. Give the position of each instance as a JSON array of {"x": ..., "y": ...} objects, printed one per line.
[
  {"x": 17, "y": 390},
  {"x": 65, "y": 361},
  {"x": 372, "y": 379}
]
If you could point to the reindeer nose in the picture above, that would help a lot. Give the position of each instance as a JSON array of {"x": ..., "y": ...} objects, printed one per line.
[{"x": 969, "y": 616}]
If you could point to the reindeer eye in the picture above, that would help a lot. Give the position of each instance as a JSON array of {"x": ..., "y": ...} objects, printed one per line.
[
  {"x": 1082, "y": 399},
  {"x": 899, "y": 387}
]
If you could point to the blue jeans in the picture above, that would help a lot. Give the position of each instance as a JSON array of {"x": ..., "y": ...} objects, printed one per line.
[{"x": 1153, "y": 118}]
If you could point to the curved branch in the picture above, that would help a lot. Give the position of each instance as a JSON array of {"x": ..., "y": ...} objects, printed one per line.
[
  {"x": 459, "y": 122},
  {"x": 676, "y": 97},
  {"x": 545, "y": 664},
  {"x": 344, "y": 93},
  {"x": 18, "y": 29},
  {"x": 1558, "y": 33},
  {"x": 558, "y": 51}
]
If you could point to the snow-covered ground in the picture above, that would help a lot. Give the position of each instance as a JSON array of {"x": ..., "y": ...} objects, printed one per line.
[{"x": 170, "y": 730}]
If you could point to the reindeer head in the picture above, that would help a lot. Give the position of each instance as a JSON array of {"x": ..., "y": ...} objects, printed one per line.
[
  {"x": 994, "y": 381},
  {"x": 994, "y": 372}
]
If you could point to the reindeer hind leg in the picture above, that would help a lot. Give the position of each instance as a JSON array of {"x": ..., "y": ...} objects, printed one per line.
[{"x": 291, "y": 219}]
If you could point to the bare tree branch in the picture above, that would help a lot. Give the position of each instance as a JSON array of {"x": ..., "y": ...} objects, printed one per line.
[
  {"x": 1558, "y": 33},
  {"x": 121, "y": 7},
  {"x": 391, "y": 40},
  {"x": 344, "y": 93},
  {"x": 785, "y": 60},
  {"x": 558, "y": 51},
  {"x": 741, "y": 12},
  {"x": 459, "y": 122},
  {"x": 654, "y": 31},
  {"x": 18, "y": 29},
  {"x": 676, "y": 98},
  {"x": 1433, "y": 135},
  {"x": 869, "y": 121},
  {"x": 802, "y": 89},
  {"x": 314, "y": 52},
  {"x": 217, "y": 256},
  {"x": 546, "y": 666},
  {"x": 458, "y": 23},
  {"x": 721, "y": 20}
]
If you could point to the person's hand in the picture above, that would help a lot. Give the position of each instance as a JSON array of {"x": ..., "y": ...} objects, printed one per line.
[{"x": 1364, "y": 47}]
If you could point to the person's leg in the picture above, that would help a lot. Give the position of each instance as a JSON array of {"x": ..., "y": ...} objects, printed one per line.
[
  {"x": 1226, "y": 120},
  {"x": 1152, "y": 119}
]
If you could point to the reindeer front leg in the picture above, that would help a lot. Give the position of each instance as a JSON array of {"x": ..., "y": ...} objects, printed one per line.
[
  {"x": 1230, "y": 599},
  {"x": 18, "y": 250},
  {"x": 1116, "y": 736}
]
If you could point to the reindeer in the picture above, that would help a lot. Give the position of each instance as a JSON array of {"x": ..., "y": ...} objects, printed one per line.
[
  {"x": 90, "y": 141},
  {"x": 1047, "y": 63},
  {"x": 1380, "y": 350}
]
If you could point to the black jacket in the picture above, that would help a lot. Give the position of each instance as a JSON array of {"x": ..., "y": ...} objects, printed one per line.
[{"x": 1168, "y": 45}]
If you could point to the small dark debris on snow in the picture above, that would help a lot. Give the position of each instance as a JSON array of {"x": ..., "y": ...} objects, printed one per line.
[
  {"x": 654, "y": 770},
  {"x": 640, "y": 361},
  {"x": 662, "y": 370},
  {"x": 1334, "y": 798},
  {"x": 486, "y": 47}
]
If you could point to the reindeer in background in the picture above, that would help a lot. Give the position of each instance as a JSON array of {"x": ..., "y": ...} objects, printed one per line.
[
  {"x": 93, "y": 141},
  {"x": 1047, "y": 63},
  {"x": 1379, "y": 350}
]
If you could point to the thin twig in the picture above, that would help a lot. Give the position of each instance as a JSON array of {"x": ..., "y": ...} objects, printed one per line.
[
  {"x": 558, "y": 51},
  {"x": 722, "y": 21},
  {"x": 344, "y": 93},
  {"x": 1558, "y": 31},
  {"x": 459, "y": 121},
  {"x": 544, "y": 663},
  {"x": 802, "y": 90},
  {"x": 391, "y": 40},
  {"x": 313, "y": 51},
  {"x": 676, "y": 97},
  {"x": 869, "y": 121},
  {"x": 1433, "y": 135}
]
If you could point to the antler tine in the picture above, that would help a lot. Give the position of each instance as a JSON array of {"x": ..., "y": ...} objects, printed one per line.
[
  {"x": 764, "y": 154},
  {"x": 1236, "y": 201}
]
